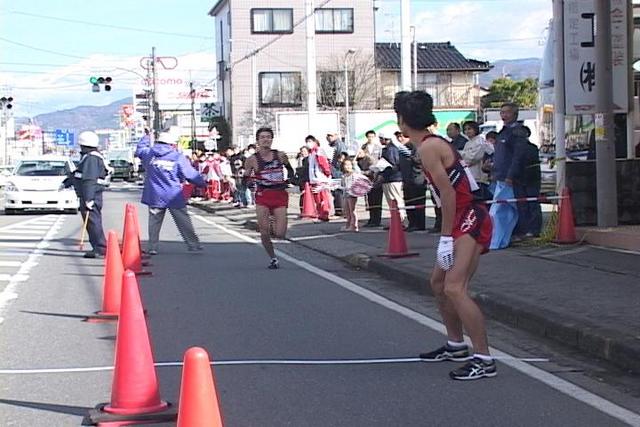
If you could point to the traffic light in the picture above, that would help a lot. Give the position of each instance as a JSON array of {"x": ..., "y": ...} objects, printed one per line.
[
  {"x": 6, "y": 102},
  {"x": 97, "y": 81}
]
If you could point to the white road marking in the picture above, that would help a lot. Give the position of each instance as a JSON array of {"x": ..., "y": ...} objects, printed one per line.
[
  {"x": 10, "y": 292},
  {"x": 18, "y": 245},
  {"x": 24, "y": 231},
  {"x": 10, "y": 263},
  {"x": 299, "y": 362},
  {"x": 538, "y": 374}
]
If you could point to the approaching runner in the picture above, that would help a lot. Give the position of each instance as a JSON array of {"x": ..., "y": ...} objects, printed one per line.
[
  {"x": 267, "y": 167},
  {"x": 466, "y": 233}
]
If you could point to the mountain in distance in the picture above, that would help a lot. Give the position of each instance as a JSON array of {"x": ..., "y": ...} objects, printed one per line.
[
  {"x": 83, "y": 117},
  {"x": 98, "y": 117},
  {"x": 516, "y": 69}
]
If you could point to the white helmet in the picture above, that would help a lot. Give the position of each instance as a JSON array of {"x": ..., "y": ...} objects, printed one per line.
[
  {"x": 170, "y": 136},
  {"x": 88, "y": 139}
]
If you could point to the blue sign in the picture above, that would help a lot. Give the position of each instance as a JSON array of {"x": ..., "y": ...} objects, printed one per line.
[{"x": 64, "y": 137}]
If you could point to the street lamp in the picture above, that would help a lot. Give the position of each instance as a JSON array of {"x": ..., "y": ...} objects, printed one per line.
[
  {"x": 346, "y": 97},
  {"x": 254, "y": 83}
]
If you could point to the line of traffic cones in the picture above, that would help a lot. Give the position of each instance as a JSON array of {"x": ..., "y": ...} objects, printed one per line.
[
  {"x": 397, "y": 243},
  {"x": 135, "y": 395}
]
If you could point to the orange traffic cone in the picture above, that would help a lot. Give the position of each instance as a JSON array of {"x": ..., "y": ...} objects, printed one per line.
[
  {"x": 566, "y": 230},
  {"x": 144, "y": 256},
  {"x": 112, "y": 284},
  {"x": 199, "y": 404},
  {"x": 131, "y": 254},
  {"x": 308, "y": 203},
  {"x": 127, "y": 208},
  {"x": 397, "y": 243},
  {"x": 135, "y": 395}
]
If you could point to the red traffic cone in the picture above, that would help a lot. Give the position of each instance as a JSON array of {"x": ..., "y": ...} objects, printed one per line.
[
  {"x": 131, "y": 254},
  {"x": 135, "y": 385},
  {"x": 112, "y": 284},
  {"x": 127, "y": 208},
  {"x": 308, "y": 203},
  {"x": 397, "y": 243},
  {"x": 199, "y": 404},
  {"x": 566, "y": 229},
  {"x": 135, "y": 395}
]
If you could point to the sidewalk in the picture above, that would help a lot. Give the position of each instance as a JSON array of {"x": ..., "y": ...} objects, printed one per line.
[{"x": 579, "y": 295}]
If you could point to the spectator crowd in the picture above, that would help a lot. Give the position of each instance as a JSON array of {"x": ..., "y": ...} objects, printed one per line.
[{"x": 504, "y": 164}]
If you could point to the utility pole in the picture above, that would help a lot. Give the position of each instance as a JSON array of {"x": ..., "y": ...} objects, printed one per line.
[
  {"x": 405, "y": 24},
  {"x": 606, "y": 185},
  {"x": 192, "y": 94},
  {"x": 154, "y": 96},
  {"x": 558, "y": 94},
  {"x": 414, "y": 85},
  {"x": 311, "y": 67}
]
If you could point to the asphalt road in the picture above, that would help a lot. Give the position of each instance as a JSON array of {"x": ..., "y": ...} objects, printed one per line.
[{"x": 225, "y": 300}]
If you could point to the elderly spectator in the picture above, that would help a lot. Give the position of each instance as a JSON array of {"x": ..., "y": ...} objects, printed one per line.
[
  {"x": 339, "y": 147},
  {"x": 508, "y": 167}
]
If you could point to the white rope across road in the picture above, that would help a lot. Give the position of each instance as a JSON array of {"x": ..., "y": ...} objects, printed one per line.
[{"x": 308, "y": 362}]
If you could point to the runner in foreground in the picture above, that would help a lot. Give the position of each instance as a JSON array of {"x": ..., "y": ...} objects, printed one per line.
[
  {"x": 266, "y": 167},
  {"x": 466, "y": 233}
]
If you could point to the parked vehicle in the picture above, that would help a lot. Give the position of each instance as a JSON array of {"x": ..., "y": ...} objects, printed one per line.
[
  {"x": 122, "y": 169},
  {"x": 36, "y": 185}
]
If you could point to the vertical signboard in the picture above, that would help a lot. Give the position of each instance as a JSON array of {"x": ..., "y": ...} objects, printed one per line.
[{"x": 580, "y": 67}]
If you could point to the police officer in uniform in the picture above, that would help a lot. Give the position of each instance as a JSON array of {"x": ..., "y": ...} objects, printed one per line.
[{"x": 89, "y": 180}]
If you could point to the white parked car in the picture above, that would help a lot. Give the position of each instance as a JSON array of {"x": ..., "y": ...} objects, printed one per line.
[{"x": 36, "y": 184}]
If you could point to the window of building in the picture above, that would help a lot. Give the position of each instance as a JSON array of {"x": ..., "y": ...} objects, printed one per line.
[
  {"x": 334, "y": 20},
  {"x": 331, "y": 88},
  {"x": 272, "y": 21},
  {"x": 281, "y": 89}
]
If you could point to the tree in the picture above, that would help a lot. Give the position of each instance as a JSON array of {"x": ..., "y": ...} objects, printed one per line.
[
  {"x": 362, "y": 81},
  {"x": 221, "y": 124},
  {"x": 522, "y": 92}
]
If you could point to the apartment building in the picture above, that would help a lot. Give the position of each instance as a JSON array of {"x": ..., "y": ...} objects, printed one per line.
[{"x": 261, "y": 53}]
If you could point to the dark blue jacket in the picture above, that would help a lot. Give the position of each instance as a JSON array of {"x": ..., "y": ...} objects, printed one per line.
[
  {"x": 165, "y": 170},
  {"x": 509, "y": 155},
  {"x": 391, "y": 154}
]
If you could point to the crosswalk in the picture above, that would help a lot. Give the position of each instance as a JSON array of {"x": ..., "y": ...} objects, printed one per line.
[{"x": 22, "y": 244}]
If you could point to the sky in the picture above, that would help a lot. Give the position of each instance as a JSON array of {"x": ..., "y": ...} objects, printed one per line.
[{"x": 50, "y": 48}]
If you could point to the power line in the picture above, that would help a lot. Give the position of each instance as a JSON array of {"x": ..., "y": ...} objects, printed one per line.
[
  {"x": 278, "y": 37},
  {"x": 117, "y": 27},
  {"x": 40, "y": 49}
]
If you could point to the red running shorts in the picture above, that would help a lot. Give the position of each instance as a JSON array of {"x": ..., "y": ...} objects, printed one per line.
[
  {"x": 475, "y": 221},
  {"x": 272, "y": 199}
]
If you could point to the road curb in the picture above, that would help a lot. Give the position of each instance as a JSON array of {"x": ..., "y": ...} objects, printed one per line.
[{"x": 619, "y": 349}]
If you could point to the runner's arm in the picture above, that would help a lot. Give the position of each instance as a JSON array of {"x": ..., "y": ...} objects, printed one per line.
[{"x": 433, "y": 163}]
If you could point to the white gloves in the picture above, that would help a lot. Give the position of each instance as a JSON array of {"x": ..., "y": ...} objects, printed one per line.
[
  {"x": 444, "y": 255},
  {"x": 90, "y": 204}
]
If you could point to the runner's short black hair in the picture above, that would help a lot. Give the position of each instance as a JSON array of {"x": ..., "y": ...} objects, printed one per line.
[
  {"x": 264, "y": 129},
  {"x": 415, "y": 108},
  {"x": 369, "y": 132}
]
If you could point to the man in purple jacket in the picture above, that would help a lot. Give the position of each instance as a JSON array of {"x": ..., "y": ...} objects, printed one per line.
[{"x": 165, "y": 170}]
